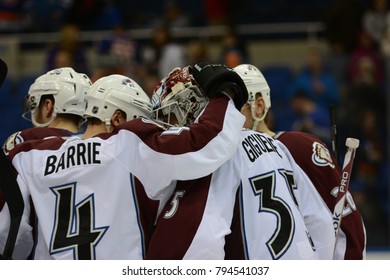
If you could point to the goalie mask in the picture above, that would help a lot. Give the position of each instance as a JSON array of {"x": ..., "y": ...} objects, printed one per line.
[
  {"x": 178, "y": 100},
  {"x": 68, "y": 89}
]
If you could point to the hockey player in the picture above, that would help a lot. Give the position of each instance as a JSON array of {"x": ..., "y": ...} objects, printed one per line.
[
  {"x": 55, "y": 104},
  {"x": 114, "y": 100},
  {"x": 313, "y": 156},
  {"x": 85, "y": 192},
  {"x": 262, "y": 173}
]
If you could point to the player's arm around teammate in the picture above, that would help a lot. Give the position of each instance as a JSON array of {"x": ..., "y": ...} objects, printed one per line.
[{"x": 142, "y": 148}]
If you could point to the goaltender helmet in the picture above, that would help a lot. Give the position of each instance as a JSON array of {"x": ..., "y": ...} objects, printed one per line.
[
  {"x": 255, "y": 83},
  {"x": 68, "y": 89},
  {"x": 178, "y": 96},
  {"x": 117, "y": 92}
]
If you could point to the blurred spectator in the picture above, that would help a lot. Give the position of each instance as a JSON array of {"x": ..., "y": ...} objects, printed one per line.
[
  {"x": 385, "y": 53},
  {"x": 118, "y": 53},
  {"x": 310, "y": 117},
  {"x": 364, "y": 93},
  {"x": 341, "y": 33},
  {"x": 69, "y": 41},
  {"x": 63, "y": 58},
  {"x": 341, "y": 30},
  {"x": 149, "y": 82},
  {"x": 48, "y": 15},
  {"x": 384, "y": 44},
  {"x": 316, "y": 81},
  {"x": 173, "y": 16},
  {"x": 366, "y": 49},
  {"x": 365, "y": 181},
  {"x": 196, "y": 51},
  {"x": 337, "y": 64},
  {"x": 363, "y": 116},
  {"x": 232, "y": 57},
  {"x": 14, "y": 16},
  {"x": 111, "y": 16},
  {"x": 374, "y": 20},
  {"x": 163, "y": 53},
  {"x": 234, "y": 49},
  {"x": 217, "y": 12}
]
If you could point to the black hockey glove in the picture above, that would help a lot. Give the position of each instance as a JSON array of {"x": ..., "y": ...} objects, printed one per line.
[{"x": 214, "y": 78}]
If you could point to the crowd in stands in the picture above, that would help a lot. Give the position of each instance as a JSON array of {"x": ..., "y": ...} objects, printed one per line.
[{"x": 352, "y": 75}]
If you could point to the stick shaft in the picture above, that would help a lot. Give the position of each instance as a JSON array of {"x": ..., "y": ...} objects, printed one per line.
[{"x": 352, "y": 144}]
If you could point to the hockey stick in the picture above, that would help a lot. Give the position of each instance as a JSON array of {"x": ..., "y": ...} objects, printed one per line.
[
  {"x": 352, "y": 144},
  {"x": 10, "y": 190},
  {"x": 333, "y": 130}
]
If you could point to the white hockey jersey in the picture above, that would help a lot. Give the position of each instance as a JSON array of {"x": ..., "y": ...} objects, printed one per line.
[
  {"x": 269, "y": 225},
  {"x": 86, "y": 195},
  {"x": 269, "y": 222}
]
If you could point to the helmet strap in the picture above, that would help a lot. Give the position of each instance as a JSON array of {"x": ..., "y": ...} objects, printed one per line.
[
  {"x": 46, "y": 124},
  {"x": 257, "y": 120},
  {"x": 107, "y": 122}
]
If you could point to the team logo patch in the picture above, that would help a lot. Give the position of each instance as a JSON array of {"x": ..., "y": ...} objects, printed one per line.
[
  {"x": 12, "y": 141},
  {"x": 129, "y": 83},
  {"x": 55, "y": 72},
  {"x": 321, "y": 155}
]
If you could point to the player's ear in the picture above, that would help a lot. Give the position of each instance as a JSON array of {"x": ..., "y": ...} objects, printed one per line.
[
  {"x": 118, "y": 118},
  {"x": 48, "y": 108},
  {"x": 260, "y": 106}
]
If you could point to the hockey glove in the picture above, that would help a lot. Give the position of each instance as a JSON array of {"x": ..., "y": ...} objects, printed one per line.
[{"x": 214, "y": 78}]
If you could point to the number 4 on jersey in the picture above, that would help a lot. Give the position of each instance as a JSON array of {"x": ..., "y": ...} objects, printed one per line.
[{"x": 74, "y": 226}]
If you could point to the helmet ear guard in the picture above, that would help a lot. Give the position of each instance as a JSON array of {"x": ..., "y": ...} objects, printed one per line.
[
  {"x": 117, "y": 92},
  {"x": 67, "y": 87},
  {"x": 255, "y": 82}
]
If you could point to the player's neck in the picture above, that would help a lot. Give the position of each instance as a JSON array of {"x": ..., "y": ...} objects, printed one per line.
[
  {"x": 93, "y": 130},
  {"x": 64, "y": 124},
  {"x": 262, "y": 127}
]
